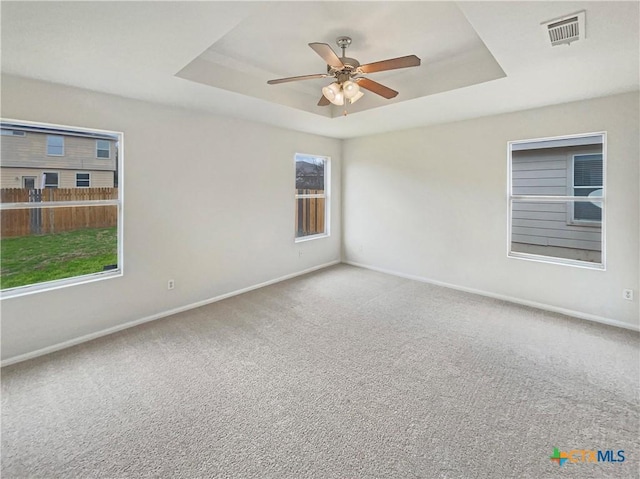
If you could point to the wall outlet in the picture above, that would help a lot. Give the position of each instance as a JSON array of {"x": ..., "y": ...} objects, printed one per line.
[
  {"x": 299, "y": 253},
  {"x": 171, "y": 284},
  {"x": 627, "y": 294}
]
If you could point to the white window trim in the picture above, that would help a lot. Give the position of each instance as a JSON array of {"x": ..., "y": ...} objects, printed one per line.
[
  {"x": 47, "y": 146},
  {"x": 108, "y": 150},
  {"x": 511, "y": 198},
  {"x": 88, "y": 278},
  {"x": 83, "y": 173},
  {"x": 326, "y": 196}
]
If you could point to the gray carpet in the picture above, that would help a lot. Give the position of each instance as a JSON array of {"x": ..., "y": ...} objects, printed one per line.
[{"x": 343, "y": 373}]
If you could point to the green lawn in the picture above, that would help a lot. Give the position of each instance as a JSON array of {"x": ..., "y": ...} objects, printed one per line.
[{"x": 34, "y": 259}]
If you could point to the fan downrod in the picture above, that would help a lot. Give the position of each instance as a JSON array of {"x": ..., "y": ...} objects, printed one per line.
[{"x": 350, "y": 63}]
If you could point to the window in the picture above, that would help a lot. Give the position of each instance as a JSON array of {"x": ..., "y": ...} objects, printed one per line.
[
  {"x": 49, "y": 179},
  {"x": 83, "y": 180},
  {"x": 13, "y": 133},
  {"x": 55, "y": 145},
  {"x": 29, "y": 182},
  {"x": 312, "y": 197},
  {"x": 53, "y": 237},
  {"x": 557, "y": 199},
  {"x": 587, "y": 181},
  {"x": 103, "y": 149}
]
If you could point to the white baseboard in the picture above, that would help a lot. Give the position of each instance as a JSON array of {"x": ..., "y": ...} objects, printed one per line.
[
  {"x": 164, "y": 314},
  {"x": 511, "y": 299}
]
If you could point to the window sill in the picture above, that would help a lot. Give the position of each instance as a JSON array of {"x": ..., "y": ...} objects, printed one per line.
[
  {"x": 302, "y": 239},
  {"x": 557, "y": 261},
  {"x": 58, "y": 284}
]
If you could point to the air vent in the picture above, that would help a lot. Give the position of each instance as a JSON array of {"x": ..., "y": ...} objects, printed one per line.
[{"x": 566, "y": 29}]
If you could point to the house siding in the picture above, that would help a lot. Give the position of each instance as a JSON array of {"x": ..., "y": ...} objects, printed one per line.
[
  {"x": 27, "y": 156},
  {"x": 12, "y": 177},
  {"x": 548, "y": 172},
  {"x": 31, "y": 151}
]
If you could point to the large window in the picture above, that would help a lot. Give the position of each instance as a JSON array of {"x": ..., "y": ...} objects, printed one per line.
[
  {"x": 56, "y": 230},
  {"x": 312, "y": 197},
  {"x": 557, "y": 199}
]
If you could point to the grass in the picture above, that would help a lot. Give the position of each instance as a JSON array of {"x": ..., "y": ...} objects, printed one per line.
[{"x": 38, "y": 258}]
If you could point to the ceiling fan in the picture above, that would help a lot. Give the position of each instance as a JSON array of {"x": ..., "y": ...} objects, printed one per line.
[{"x": 348, "y": 74}]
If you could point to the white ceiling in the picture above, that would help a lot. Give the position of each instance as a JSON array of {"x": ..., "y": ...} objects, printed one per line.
[
  {"x": 243, "y": 60},
  {"x": 135, "y": 49}
]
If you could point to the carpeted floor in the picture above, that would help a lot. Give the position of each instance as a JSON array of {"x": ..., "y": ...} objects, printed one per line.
[{"x": 343, "y": 373}]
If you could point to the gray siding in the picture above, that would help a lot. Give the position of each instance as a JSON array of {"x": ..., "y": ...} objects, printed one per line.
[{"x": 548, "y": 172}]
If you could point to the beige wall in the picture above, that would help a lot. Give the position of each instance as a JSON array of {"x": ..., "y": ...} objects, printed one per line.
[
  {"x": 234, "y": 232},
  {"x": 12, "y": 177},
  {"x": 432, "y": 203}
]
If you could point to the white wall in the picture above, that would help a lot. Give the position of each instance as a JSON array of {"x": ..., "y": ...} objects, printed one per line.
[
  {"x": 432, "y": 203},
  {"x": 209, "y": 202}
]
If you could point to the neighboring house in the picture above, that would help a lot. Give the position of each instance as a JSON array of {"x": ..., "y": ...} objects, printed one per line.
[
  {"x": 43, "y": 158},
  {"x": 571, "y": 229},
  {"x": 310, "y": 174}
]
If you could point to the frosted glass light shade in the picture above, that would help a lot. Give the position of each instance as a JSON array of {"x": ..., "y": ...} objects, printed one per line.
[
  {"x": 356, "y": 97},
  {"x": 334, "y": 94},
  {"x": 350, "y": 89}
]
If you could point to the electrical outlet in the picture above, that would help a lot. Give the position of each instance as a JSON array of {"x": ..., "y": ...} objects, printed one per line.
[
  {"x": 171, "y": 284},
  {"x": 627, "y": 294},
  {"x": 300, "y": 253}
]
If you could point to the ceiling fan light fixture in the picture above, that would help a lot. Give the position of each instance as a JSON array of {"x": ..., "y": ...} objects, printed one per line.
[
  {"x": 350, "y": 89},
  {"x": 334, "y": 94},
  {"x": 356, "y": 97}
]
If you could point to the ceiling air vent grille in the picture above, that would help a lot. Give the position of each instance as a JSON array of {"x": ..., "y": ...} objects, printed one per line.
[{"x": 566, "y": 29}]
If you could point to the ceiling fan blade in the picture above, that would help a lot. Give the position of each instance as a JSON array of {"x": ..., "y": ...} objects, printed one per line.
[
  {"x": 323, "y": 101},
  {"x": 327, "y": 54},
  {"x": 376, "y": 87},
  {"x": 391, "y": 64},
  {"x": 303, "y": 77}
]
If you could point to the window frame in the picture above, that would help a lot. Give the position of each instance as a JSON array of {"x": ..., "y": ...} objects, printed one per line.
[
  {"x": 108, "y": 150},
  {"x": 326, "y": 196},
  {"x": 569, "y": 198},
  {"x": 47, "y": 145},
  {"x": 88, "y": 178},
  {"x": 118, "y": 202}
]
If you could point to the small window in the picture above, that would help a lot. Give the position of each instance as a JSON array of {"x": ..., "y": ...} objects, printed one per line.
[
  {"x": 50, "y": 179},
  {"x": 587, "y": 181},
  {"x": 557, "y": 199},
  {"x": 29, "y": 182},
  {"x": 103, "y": 149},
  {"x": 55, "y": 145},
  {"x": 312, "y": 201},
  {"x": 6, "y": 132},
  {"x": 83, "y": 180}
]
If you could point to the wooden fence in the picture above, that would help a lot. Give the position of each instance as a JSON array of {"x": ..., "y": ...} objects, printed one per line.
[
  {"x": 30, "y": 221},
  {"x": 310, "y": 213}
]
